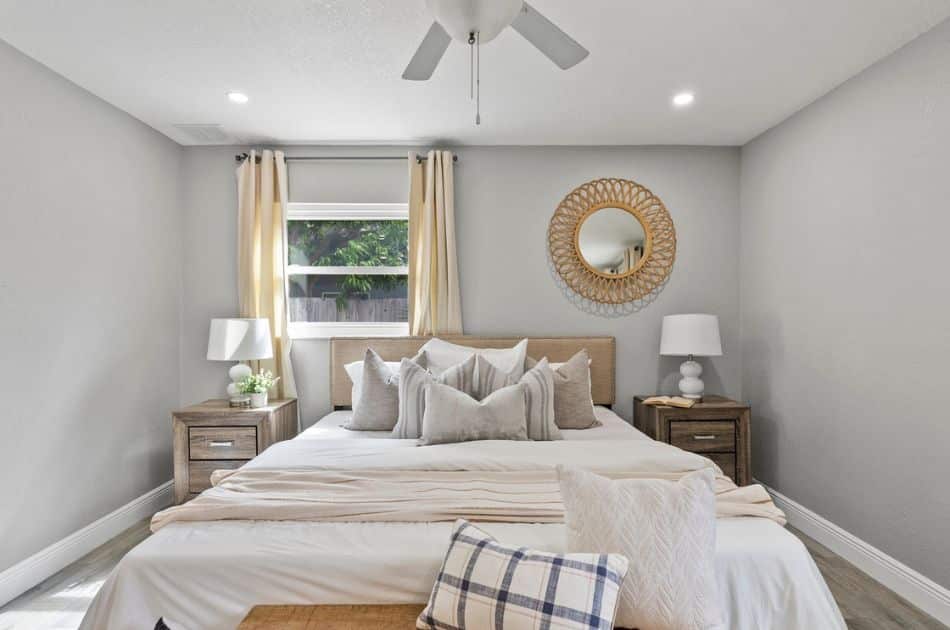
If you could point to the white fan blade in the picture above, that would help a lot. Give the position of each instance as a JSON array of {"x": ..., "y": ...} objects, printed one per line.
[
  {"x": 548, "y": 38},
  {"x": 427, "y": 56}
]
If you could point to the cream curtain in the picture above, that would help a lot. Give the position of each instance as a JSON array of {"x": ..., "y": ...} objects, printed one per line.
[
  {"x": 262, "y": 207},
  {"x": 434, "y": 301}
]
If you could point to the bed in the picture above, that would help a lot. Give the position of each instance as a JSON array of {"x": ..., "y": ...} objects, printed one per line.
[{"x": 209, "y": 573}]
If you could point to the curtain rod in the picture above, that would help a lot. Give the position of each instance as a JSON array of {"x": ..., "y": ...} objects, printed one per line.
[{"x": 419, "y": 158}]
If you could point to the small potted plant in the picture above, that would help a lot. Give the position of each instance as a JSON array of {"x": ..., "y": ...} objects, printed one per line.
[{"x": 257, "y": 385}]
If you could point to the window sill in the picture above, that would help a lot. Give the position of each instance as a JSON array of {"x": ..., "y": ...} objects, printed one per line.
[{"x": 321, "y": 330}]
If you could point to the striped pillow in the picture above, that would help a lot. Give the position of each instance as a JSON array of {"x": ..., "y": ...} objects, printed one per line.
[
  {"x": 539, "y": 394},
  {"x": 413, "y": 379},
  {"x": 484, "y": 584}
]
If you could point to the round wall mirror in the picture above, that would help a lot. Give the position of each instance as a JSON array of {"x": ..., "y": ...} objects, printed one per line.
[{"x": 612, "y": 241}]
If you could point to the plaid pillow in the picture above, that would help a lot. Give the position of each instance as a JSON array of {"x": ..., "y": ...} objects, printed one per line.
[{"x": 484, "y": 584}]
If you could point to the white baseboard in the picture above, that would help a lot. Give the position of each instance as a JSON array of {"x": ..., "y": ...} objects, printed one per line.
[
  {"x": 28, "y": 573},
  {"x": 919, "y": 590}
]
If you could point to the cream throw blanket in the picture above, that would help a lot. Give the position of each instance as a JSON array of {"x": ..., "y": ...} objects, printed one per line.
[{"x": 393, "y": 480}]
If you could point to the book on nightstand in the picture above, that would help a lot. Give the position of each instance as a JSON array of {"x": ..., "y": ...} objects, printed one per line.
[{"x": 670, "y": 401}]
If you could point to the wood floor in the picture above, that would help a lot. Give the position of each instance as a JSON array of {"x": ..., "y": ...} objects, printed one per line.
[
  {"x": 59, "y": 602},
  {"x": 864, "y": 602}
]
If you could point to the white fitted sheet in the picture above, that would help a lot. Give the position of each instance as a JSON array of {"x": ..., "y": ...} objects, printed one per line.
[
  {"x": 613, "y": 427},
  {"x": 208, "y": 575}
]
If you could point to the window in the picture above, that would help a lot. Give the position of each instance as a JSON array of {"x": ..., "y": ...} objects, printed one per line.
[{"x": 347, "y": 269}]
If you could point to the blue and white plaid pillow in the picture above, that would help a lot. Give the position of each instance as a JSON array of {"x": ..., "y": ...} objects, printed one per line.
[{"x": 484, "y": 584}]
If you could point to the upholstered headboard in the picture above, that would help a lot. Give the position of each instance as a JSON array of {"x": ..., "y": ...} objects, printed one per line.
[{"x": 344, "y": 350}]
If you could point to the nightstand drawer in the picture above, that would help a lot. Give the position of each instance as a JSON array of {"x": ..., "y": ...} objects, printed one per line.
[
  {"x": 222, "y": 442},
  {"x": 704, "y": 437},
  {"x": 199, "y": 472},
  {"x": 726, "y": 461}
]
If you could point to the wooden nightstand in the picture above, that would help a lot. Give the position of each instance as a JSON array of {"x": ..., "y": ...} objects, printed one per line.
[
  {"x": 717, "y": 428},
  {"x": 213, "y": 436}
]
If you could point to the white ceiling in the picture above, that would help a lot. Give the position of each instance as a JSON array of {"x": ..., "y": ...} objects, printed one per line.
[{"x": 328, "y": 71}]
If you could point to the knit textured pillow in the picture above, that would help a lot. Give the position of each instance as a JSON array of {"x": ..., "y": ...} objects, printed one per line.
[
  {"x": 539, "y": 394},
  {"x": 454, "y": 416},
  {"x": 491, "y": 586},
  {"x": 413, "y": 379},
  {"x": 666, "y": 529}
]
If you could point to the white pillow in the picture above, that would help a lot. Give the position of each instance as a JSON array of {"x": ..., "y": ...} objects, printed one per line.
[
  {"x": 486, "y": 584},
  {"x": 666, "y": 529},
  {"x": 442, "y": 355}
]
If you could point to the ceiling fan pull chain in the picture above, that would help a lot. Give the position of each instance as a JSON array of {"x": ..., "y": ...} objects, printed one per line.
[
  {"x": 478, "y": 80},
  {"x": 471, "y": 65}
]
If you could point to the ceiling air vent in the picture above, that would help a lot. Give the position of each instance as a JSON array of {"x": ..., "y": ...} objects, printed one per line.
[{"x": 204, "y": 134}]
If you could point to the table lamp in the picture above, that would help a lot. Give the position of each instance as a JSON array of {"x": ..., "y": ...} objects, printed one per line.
[
  {"x": 692, "y": 335},
  {"x": 233, "y": 339}
]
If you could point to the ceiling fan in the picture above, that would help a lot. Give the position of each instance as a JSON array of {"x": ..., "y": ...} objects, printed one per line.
[{"x": 476, "y": 22}]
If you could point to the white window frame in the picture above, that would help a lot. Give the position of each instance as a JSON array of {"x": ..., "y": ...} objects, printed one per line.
[{"x": 337, "y": 212}]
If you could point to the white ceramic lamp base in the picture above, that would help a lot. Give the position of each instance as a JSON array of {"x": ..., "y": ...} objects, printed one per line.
[
  {"x": 238, "y": 372},
  {"x": 691, "y": 386}
]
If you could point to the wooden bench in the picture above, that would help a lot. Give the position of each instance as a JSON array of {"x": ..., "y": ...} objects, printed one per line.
[{"x": 337, "y": 617}]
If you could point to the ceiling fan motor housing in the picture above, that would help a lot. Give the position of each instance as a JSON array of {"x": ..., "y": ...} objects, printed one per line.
[{"x": 460, "y": 18}]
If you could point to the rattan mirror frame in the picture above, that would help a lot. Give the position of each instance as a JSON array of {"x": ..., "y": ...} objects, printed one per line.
[{"x": 652, "y": 269}]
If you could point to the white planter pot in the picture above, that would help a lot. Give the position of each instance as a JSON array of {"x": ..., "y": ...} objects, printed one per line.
[{"x": 258, "y": 400}]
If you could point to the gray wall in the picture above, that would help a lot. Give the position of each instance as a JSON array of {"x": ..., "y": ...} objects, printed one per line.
[
  {"x": 209, "y": 259},
  {"x": 90, "y": 284},
  {"x": 846, "y": 304},
  {"x": 504, "y": 199}
]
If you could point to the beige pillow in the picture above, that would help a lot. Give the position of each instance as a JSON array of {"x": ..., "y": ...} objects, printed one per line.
[
  {"x": 454, "y": 416},
  {"x": 573, "y": 405},
  {"x": 378, "y": 406},
  {"x": 666, "y": 529},
  {"x": 539, "y": 395},
  {"x": 413, "y": 379},
  {"x": 355, "y": 371}
]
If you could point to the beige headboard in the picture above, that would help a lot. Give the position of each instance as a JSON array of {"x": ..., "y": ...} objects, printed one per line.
[{"x": 345, "y": 350}]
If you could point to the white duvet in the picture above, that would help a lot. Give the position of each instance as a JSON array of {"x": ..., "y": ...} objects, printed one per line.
[{"x": 209, "y": 574}]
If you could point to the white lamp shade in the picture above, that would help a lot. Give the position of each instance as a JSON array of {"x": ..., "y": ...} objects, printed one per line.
[
  {"x": 694, "y": 334},
  {"x": 239, "y": 340}
]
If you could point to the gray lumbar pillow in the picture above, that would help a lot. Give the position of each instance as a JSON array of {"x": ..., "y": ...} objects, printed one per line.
[
  {"x": 573, "y": 406},
  {"x": 539, "y": 394},
  {"x": 454, "y": 416},
  {"x": 376, "y": 406}
]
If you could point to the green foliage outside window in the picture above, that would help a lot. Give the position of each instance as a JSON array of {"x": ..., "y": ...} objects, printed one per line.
[{"x": 351, "y": 244}]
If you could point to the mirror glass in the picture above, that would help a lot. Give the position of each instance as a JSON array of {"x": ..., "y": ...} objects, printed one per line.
[{"x": 611, "y": 240}]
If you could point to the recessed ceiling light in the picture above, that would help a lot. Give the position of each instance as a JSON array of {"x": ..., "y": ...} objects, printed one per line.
[
  {"x": 237, "y": 97},
  {"x": 684, "y": 99}
]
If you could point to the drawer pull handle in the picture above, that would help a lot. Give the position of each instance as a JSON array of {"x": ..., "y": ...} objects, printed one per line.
[
  {"x": 221, "y": 443},
  {"x": 704, "y": 437}
]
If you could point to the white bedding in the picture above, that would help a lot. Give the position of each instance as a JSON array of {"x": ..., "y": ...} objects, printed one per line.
[
  {"x": 208, "y": 574},
  {"x": 613, "y": 427}
]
